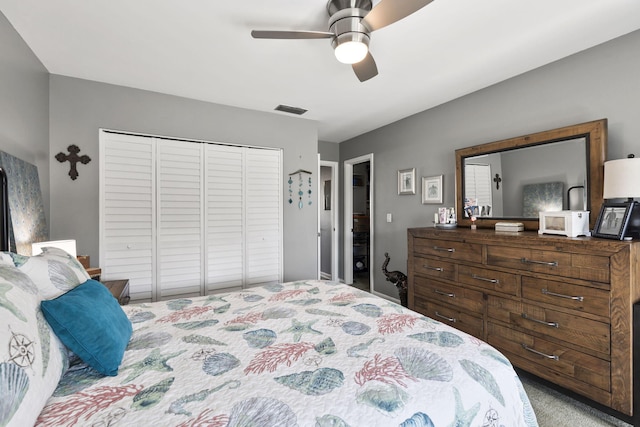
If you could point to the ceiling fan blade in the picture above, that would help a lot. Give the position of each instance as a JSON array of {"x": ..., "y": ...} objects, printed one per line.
[
  {"x": 389, "y": 11},
  {"x": 291, "y": 34},
  {"x": 365, "y": 69}
]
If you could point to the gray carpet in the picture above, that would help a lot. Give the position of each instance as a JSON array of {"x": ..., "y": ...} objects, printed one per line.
[{"x": 554, "y": 409}]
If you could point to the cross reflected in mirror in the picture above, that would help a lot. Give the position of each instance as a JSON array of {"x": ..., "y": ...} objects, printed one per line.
[{"x": 497, "y": 180}]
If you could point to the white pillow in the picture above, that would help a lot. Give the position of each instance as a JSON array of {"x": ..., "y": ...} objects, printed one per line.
[
  {"x": 32, "y": 358},
  {"x": 54, "y": 271}
]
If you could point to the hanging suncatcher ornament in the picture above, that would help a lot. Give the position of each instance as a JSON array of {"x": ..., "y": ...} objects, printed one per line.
[{"x": 301, "y": 192}]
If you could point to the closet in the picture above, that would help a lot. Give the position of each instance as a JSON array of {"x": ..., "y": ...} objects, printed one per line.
[{"x": 181, "y": 218}]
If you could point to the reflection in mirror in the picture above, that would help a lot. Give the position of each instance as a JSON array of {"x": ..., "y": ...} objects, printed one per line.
[{"x": 521, "y": 182}]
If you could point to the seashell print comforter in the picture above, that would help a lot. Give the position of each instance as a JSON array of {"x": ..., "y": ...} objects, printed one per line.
[{"x": 307, "y": 353}]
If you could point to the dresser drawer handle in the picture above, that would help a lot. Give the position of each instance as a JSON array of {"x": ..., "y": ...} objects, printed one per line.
[
  {"x": 539, "y": 353},
  {"x": 533, "y": 261},
  {"x": 446, "y": 294},
  {"x": 441, "y": 249},
  {"x": 484, "y": 279},
  {"x": 433, "y": 268},
  {"x": 552, "y": 324},
  {"x": 553, "y": 294},
  {"x": 450, "y": 319}
]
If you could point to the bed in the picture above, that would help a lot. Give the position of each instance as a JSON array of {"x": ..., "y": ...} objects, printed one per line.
[{"x": 305, "y": 353}]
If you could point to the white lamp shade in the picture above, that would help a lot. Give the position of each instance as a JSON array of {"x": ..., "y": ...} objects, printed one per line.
[
  {"x": 68, "y": 246},
  {"x": 622, "y": 178}
]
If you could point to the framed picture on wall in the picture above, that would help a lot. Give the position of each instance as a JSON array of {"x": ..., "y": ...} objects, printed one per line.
[
  {"x": 432, "y": 189},
  {"x": 407, "y": 181}
]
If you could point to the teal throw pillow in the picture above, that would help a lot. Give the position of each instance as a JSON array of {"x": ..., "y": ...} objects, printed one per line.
[{"x": 91, "y": 323}]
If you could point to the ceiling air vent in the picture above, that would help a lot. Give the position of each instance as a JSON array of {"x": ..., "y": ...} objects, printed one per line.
[{"x": 290, "y": 109}]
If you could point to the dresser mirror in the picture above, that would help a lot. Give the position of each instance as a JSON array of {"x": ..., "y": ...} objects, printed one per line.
[{"x": 514, "y": 179}]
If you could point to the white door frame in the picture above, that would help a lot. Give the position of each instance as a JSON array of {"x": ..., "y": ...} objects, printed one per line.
[
  {"x": 348, "y": 218},
  {"x": 334, "y": 217}
]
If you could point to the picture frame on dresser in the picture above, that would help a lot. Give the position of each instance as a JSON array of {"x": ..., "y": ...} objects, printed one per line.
[{"x": 613, "y": 220}]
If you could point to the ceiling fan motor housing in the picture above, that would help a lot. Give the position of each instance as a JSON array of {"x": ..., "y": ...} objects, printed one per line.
[
  {"x": 334, "y": 6},
  {"x": 347, "y": 27}
]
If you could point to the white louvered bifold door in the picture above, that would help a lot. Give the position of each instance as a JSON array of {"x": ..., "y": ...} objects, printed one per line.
[
  {"x": 225, "y": 216},
  {"x": 127, "y": 211},
  {"x": 263, "y": 196},
  {"x": 477, "y": 184},
  {"x": 183, "y": 218},
  {"x": 179, "y": 218}
]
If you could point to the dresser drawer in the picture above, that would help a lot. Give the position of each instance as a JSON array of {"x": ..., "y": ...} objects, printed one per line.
[
  {"x": 436, "y": 268},
  {"x": 565, "y": 361},
  {"x": 581, "y": 298},
  {"x": 464, "y": 298},
  {"x": 591, "y": 335},
  {"x": 452, "y": 316},
  {"x": 460, "y": 251},
  {"x": 566, "y": 264},
  {"x": 490, "y": 280}
]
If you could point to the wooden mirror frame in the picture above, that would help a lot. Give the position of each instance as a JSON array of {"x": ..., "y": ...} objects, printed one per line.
[{"x": 595, "y": 133}]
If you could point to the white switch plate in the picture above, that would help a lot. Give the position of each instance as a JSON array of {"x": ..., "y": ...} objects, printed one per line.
[{"x": 389, "y": 217}]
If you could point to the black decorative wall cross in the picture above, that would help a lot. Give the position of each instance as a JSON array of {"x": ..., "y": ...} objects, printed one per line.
[
  {"x": 497, "y": 180},
  {"x": 73, "y": 159}
]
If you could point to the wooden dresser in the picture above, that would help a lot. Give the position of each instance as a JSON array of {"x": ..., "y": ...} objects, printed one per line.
[{"x": 558, "y": 307}]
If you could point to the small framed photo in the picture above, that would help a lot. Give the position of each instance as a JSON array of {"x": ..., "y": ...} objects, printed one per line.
[
  {"x": 431, "y": 189},
  {"x": 613, "y": 220},
  {"x": 407, "y": 181}
]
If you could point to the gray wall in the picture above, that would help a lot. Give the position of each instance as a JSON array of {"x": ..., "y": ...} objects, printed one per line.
[
  {"x": 601, "y": 82},
  {"x": 24, "y": 104},
  {"x": 79, "y": 108},
  {"x": 42, "y": 114},
  {"x": 329, "y": 151}
]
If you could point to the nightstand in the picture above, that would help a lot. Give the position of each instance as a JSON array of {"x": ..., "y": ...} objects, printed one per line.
[
  {"x": 119, "y": 289},
  {"x": 94, "y": 272}
]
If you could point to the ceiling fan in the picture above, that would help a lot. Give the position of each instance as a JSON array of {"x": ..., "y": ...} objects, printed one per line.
[{"x": 350, "y": 24}]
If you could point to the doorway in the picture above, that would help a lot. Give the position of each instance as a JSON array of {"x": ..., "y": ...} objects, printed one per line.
[
  {"x": 328, "y": 220},
  {"x": 358, "y": 220}
]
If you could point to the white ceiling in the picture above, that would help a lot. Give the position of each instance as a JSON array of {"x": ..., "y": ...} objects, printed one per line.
[{"x": 202, "y": 49}]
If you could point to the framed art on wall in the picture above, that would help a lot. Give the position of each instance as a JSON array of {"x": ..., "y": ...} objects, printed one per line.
[
  {"x": 432, "y": 189},
  {"x": 407, "y": 181}
]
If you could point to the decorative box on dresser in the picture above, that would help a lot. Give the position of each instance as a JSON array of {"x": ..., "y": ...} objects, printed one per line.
[{"x": 558, "y": 307}]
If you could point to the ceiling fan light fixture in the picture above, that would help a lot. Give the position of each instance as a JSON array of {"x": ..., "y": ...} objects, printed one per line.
[{"x": 351, "y": 48}]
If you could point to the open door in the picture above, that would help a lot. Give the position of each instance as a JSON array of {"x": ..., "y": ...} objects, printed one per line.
[
  {"x": 328, "y": 220},
  {"x": 358, "y": 221}
]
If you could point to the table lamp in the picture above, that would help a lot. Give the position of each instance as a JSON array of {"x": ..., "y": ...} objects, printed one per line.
[
  {"x": 68, "y": 246},
  {"x": 622, "y": 181}
]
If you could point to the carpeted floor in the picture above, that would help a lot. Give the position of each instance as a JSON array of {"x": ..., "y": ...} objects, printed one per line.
[{"x": 554, "y": 409}]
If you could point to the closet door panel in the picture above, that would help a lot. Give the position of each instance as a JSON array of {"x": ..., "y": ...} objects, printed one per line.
[
  {"x": 263, "y": 195},
  {"x": 127, "y": 212},
  {"x": 179, "y": 217},
  {"x": 225, "y": 217},
  {"x": 182, "y": 218}
]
